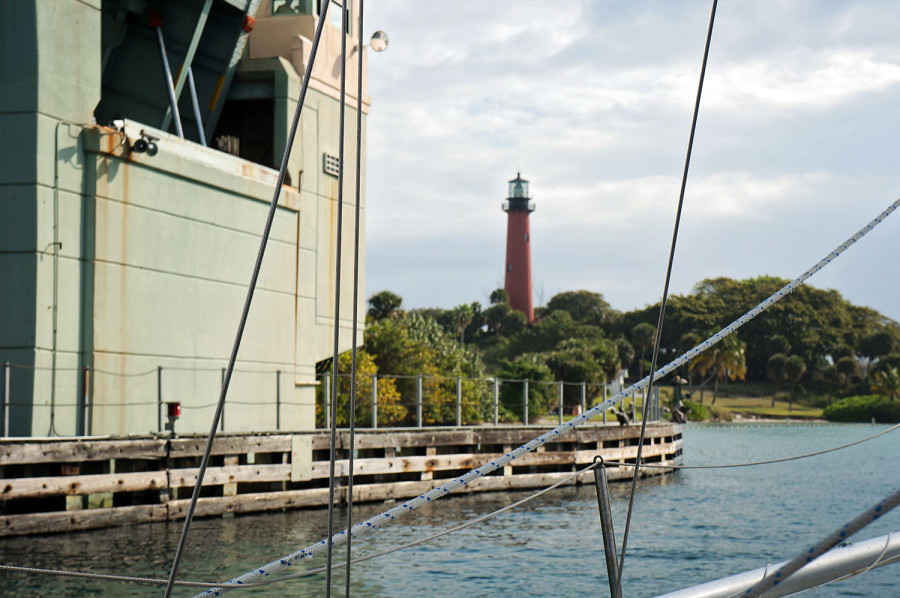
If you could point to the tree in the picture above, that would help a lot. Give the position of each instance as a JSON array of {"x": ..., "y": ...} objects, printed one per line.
[
  {"x": 686, "y": 342},
  {"x": 413, "y": 345},
  {"x": 494, "y": 316},
  {"x": 847, "y": 367},
  {"x": 625, "y": 350},
  {"x": 499, "y": 296},
  {"x": 514, "y": 322},
  {"x": 462, "y": 317},
  {"x": 886, "y": 382},
  {"x": 775, "y": 371},
  {"x": 778, "y": 343},
  {"x": 584, "y": 306},
  {"x": 794, "y": 368},
  {"x": 724, "y": 360},
  {"x": 384, "y": 304},
  {"x": 541, "y": 394},
  {"x": 643, "y": 336},
  {"x": 876, "y": 345},
  {"x": 390, "y": 409},
  {"x": 841, "y": 351}
]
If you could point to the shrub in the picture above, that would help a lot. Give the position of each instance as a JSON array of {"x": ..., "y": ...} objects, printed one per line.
[
  {"x": 697, "y": 412},
  {"x": 864, "y": 408}
]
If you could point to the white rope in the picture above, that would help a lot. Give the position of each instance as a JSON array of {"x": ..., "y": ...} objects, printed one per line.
[{"x": 441, "y": 491}]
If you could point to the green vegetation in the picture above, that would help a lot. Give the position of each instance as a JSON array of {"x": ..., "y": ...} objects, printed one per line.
[
  {"x": 864, "y": 409},
  {"x": 807, "y": 351}
]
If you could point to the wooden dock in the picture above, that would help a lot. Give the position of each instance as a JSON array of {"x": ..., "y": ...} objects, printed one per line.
[{"x": 58, "y": 485}]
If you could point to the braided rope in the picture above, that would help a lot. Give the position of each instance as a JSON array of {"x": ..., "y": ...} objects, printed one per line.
[
  {"x": 435, "y": 536},
  {"x": 827, "y": 543},
  {"x": 441, "y": 491}
]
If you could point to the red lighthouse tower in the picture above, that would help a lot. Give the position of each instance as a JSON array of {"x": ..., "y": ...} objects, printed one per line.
[{"x": 518, "y": 247}]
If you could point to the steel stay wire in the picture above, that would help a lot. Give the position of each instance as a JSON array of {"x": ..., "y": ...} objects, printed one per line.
[
  {"x": 307, "y": 572},
  {"x": 665, "y": 295},
  {"x": 337, "y": 291},
  {"x": 204, "y": 462},
  {"x": 356, "y": 226},
  {"x": 755, "y": 463},
  {"x": 318, "y": 570},
  {"x": 577, "y": 421}
]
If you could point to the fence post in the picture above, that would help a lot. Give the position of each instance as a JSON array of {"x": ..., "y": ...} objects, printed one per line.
[
  {"x": 583, "y": 397},
  {"x": 496, "y": 401},
  {"x": 159, "y": 401},
  {"x": 277, "y": 399},
  {"x": 222, "y": 421},
  {"x": 419, "y": 401},
  {"x": 374, "y": 401},
  {"x": 525, "y": 400},
  {"x": 458, "y": 401},
  {"x": 604, "y": 400},
  {"x": 6, "y": 400},
  {"x": 327, "y": 401},
  {"x": 559, "y": 408},
  {"x": 86, "y": 393}
]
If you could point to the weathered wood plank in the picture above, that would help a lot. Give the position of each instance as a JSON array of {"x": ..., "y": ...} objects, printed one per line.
[
  {"x": 231, "y": 474},
  {"x": 64, "y": 521},
  {"x": 15, "y": 488},
  {"x": 230, "y": 445},
  {"x": 251, "y": 503},
  {"x": 72, "y": 451}
]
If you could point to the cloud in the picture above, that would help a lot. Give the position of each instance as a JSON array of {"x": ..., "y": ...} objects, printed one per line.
[{"x": 796, "y": 143}]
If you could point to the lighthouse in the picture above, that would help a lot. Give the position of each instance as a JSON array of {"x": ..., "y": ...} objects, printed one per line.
[{"x": 518, "y": 247}]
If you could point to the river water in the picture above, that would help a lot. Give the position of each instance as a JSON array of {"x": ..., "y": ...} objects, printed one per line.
[{"x": 688, "y": 528}]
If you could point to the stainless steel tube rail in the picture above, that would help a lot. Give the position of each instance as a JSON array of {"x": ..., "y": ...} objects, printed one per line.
[{"x": 838, "y": 562}]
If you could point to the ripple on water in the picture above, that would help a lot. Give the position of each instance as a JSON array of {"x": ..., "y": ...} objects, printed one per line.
[{"x": 689, "y": 528}]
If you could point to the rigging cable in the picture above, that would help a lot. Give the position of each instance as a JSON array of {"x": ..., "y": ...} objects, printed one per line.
[
  {"x": 226, "y": 380},
  {"x": 577, "y": 421},
  {"x": 337, "y": 294},
  {"x": 356, "y": 215},
  {"x": 665, "y": 295},
  {"x": 308, "y": 572},
  {"x": 529, "y": 498}
]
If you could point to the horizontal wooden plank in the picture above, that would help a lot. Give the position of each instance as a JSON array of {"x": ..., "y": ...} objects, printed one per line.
[
  {"x": 230, "y": 445},
  {"x": 64, "y": 521},
  {"x": 15, "y": 488},
  {"x": 231, "y": 474},
  {"x": 251, "y": 503},
  {"x": 71, "y": 451}
]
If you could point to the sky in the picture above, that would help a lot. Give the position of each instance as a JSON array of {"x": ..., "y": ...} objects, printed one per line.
[{"x": 796, "y": 148}]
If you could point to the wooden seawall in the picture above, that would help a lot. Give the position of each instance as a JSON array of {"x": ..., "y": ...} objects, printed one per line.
[{"x": 56, "y": 485}]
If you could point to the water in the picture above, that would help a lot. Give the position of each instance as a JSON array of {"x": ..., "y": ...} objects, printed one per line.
[{"x": 688, "y": 528}]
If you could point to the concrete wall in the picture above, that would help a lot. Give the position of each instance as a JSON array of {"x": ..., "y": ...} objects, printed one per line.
[{"x": 118, "y": 263}]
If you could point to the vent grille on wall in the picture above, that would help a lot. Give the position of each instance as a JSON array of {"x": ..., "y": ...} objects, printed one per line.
[{"x": 331, "y": 165}]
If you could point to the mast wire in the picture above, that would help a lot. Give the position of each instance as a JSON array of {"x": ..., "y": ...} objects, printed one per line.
[
  {"x": 318, "y": 570},
  {"x": 226, "y": 380},
  {"x": 352, "y": 400},
  {"x": 337, "y": 293},
  {"x": 665, "y": 295},
  {"x": 577, "y": 421}
]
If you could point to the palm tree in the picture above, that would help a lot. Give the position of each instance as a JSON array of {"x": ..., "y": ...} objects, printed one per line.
[
  {"x": 725, "y": 359},
  {"x": 794, "y": 368},
  {"x": 887, "y": 382},
  {"x": 463, "y": 315},
  {"x": 775, "y": 372},
  {"x": 643, "y": 336}
]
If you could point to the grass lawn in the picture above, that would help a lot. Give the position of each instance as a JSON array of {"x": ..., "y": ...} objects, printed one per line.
[{"x": 762, "y": 406}]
